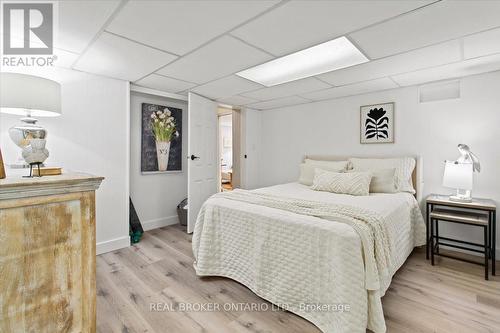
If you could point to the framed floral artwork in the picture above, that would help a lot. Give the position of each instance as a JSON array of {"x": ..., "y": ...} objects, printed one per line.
[
  {"x": 377, "y": 123},
  {"x": 2, "y": 168},
  {"x": 161, "y": 148}
]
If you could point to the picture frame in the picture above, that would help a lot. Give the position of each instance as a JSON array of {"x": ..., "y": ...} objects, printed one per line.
[
  {"x": 2, "y": 167},
  {"x": 377, "y": 123},
  {"x": 161, "y": 139}
]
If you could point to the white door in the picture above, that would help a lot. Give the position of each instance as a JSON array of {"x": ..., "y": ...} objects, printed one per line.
[{"x": 202, "y": 154}]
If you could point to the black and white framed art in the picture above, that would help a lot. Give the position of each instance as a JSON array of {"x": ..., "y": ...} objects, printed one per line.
[{"x": 377, "y": 123}]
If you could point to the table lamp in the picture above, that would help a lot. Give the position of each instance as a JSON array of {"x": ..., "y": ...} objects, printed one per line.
[
  {"x": 29, "y": 96},
  {"x": 459, "y": 176}
]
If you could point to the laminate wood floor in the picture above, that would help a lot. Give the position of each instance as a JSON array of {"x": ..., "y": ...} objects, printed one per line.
[{"x": 449, "y": 297}]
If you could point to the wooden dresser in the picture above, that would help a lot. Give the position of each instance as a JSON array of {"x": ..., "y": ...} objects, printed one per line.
[{"x": 47, "y": 254}]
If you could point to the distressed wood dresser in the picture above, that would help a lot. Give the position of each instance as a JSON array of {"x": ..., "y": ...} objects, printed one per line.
[{"x": 47, "y": 253}]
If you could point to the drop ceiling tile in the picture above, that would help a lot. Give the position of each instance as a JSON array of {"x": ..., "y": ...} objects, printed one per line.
[
  {"x": 217, "y": 59},
  {"x": 63, "y": 58},
  {"x": 300, "y": 24},
  {"x": 80, "y": 21},
  {"x": 162, "y": 83},
  {"x": 237, "y": 100},
  {"x": 58, "y": 74},
  {"x": 435, "y": 23},
  {"x": 352, "y": 89},
  {"x": 278, "y": 103},
  {"x": 228, "y": 86},
  {"x": 435, "y": 55},
  {"x": 464, "y": 68},
  {"x": 482, "y": 44},
  {"x": 121, "y": 58},
  {"x": 288, "y": 89},
  {"x": 181, "y": 26}
]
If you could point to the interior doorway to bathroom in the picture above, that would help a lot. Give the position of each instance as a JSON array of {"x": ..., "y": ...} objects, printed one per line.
[{"x": 225, "y": 143}]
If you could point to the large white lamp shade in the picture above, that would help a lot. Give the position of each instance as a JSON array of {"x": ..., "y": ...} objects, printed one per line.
[
  {"x": 458, "y": 175},
  {"x": 22, "y": 94},
  {"x": 29, "y": 96}
]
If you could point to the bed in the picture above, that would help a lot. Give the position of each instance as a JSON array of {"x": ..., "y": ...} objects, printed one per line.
[{"x": 320, "y": 268}]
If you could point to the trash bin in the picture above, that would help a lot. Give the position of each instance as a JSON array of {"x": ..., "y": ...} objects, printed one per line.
[{"x": 182, "y": 211}]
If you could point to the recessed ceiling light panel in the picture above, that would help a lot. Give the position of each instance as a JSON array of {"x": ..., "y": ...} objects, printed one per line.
[{"x": 329, "y": 56}]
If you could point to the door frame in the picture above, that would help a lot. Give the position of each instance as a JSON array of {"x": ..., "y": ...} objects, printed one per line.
[{"x": 237, "y": 145}]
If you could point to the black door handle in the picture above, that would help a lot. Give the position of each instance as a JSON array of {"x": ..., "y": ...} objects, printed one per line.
[{"x": 192, "y": 157}]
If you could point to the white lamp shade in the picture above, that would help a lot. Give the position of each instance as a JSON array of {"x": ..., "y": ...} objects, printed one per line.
[
  {"x": 458, "y": 175},
  {"x": 21, "y": 94}
]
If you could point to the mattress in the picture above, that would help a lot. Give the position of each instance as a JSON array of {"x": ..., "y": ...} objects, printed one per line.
[{"x": 304, "y": 263}]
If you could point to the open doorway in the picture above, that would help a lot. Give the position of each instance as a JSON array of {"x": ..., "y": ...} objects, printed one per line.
[
  {"x": 225, "y": 143},
  {"x": 228, "y": 147}
]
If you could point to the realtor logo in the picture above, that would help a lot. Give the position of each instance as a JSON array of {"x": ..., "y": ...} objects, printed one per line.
[{"x": 28, "y": 28}]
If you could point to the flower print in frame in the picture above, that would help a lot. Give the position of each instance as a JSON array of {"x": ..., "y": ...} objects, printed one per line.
[
  {"x": 377, "y": 123},
  {"x": 161, "y": 147}
]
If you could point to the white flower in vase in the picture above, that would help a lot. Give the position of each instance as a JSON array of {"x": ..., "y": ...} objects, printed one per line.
[{"x": 163, "y": 128}]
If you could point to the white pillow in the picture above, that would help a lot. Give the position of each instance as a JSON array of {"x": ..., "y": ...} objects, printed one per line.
[
  {"x": 307, "y": 172},
  {"x": 404, "y": 168},
  {"x": 354, "y": 183},
  {"x": 383, "y": 181},
  {"x": 340, "y": 165}
]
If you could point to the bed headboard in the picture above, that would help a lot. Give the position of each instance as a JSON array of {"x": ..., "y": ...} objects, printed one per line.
[{"x": 416, "y": 177}]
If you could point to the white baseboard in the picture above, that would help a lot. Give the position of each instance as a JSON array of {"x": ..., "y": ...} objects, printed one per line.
[
  {"x": 122, "y": 242},
  {"x": 112, "y": 245},
  {"x": 497, "y": 252},
  {"x": 161, "y": 222}
]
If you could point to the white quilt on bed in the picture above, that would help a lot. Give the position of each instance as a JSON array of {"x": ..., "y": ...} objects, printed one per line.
[{"x": 302, "y": 262}]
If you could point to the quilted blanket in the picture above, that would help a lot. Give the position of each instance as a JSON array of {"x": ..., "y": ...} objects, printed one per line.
[{"x": 329, "y": 263}]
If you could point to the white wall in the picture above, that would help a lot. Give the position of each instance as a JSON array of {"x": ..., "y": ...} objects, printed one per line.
[
  {"x": 431, "y": 130},
  {"x": 155, "y": 196},
  {"x": 91, "y": 136}
]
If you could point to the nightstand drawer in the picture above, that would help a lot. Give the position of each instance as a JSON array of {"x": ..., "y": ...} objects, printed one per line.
[{"x": 459, "y": 216}]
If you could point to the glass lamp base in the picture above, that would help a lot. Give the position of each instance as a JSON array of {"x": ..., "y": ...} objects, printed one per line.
[{"x": 461, "y": 197}]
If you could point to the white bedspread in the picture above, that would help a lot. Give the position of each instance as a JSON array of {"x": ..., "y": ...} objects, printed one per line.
[{"x": 302, "y": 262}]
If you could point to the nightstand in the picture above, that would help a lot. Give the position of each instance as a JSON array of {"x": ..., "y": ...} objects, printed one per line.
[{"x": 480, "y": 213}]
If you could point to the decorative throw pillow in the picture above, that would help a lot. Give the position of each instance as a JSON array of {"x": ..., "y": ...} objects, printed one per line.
[
  {"x": 404, "y": 168},
  {"x": 354, "y": 183},
  {"x": 307, "y": 172},
  {"x": 383, "y": 181},
  {"x": 337, "y": 165}
]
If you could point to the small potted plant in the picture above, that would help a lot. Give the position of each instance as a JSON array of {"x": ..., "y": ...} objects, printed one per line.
[{"x": 163, "y": 127}]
